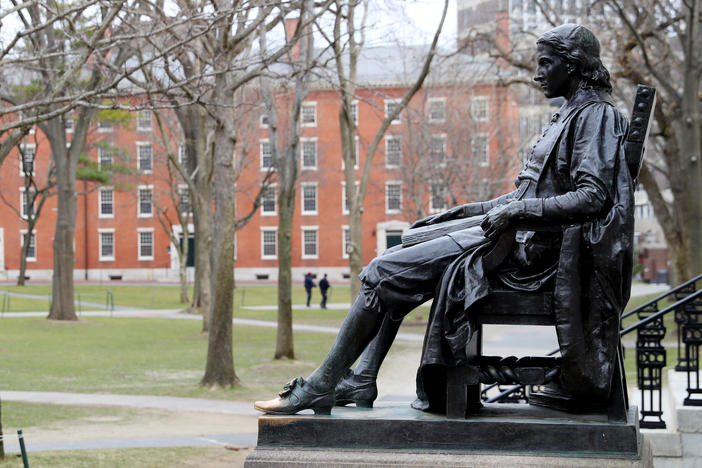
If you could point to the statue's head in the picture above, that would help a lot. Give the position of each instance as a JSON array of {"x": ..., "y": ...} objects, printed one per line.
[{"x": 578, "y": 47}]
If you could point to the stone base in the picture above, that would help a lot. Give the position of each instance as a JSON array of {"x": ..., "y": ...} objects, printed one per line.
[
  {"x": 278, "y": 458},
  {"x": 500, "y": 435}
]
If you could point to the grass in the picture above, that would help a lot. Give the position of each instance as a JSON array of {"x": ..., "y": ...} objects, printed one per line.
[
  {"x": 18, "y": 415},
  {"x": 142, "y": 356},
  {"x": 134, "y": 458}
]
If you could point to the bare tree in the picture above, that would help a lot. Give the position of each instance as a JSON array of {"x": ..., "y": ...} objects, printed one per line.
[{"x": 347, "y": 41}]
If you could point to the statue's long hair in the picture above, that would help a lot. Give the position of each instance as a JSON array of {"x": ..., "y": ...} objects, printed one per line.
[{"x": 574, "y": 50}]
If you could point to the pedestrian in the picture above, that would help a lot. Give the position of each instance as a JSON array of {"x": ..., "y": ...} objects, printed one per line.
[
  {"x": 309, "y": 284},
  {"x": 323, "y": 287}
]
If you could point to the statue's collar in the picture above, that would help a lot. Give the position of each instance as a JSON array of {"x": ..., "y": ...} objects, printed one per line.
[{"x": 581, "y": 98}]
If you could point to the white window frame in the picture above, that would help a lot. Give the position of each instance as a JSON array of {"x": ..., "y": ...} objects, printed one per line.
[
  {"x": 24, "y": 208},
  {"x": 139, "y": 213},
  {"x": 144, "y": 144},
  {"x": 436, "y": 137},
  {"x": 316, "y": 199},
  {"x": 141, "y": 231},
  {"x": 183, "y": 190},
  {"x": 388, "y": 210},
  {"x": 486, "y": 161},
  {"x": 101, "y": 257},
  {"x": 24, "y": 147},
  {"x": 182, "y": 156},
  {"x": 102, "y": 190},
  {"x": 432, "y": 208},
  {"x": 344, "y": 203},
  {"x": 263, "y": 120},
  {"x": 430, "y": 102},
  {"x": 302, "y": 153},
  {"x": 32, "y": 240},
  {"x": 388, "y": 139},
  {"x": 314, "y": 229},
  {"x": 105, "y": 129},
  {"x": 354, "y": 114},
  {"x": 308, "y": 104},
  {"x": 274, "y": 230},
  {"x": 345, "y": 229},
  {"x": 261, "y": 142},
  {"x": 69, "y": 128},
  {"x": 274, "y": 189},
  {"x": 397, "y": 119},
  {"x": 483, "y": 100},
  {"x": 141, "y": 120},
  {"x": 107, "y": 152}
]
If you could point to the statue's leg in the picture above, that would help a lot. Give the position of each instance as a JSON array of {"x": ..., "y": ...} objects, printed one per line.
[{"x": 358, "y": 385}]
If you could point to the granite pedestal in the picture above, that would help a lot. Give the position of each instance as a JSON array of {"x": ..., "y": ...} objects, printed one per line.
[{"x": 500, "y": 435}]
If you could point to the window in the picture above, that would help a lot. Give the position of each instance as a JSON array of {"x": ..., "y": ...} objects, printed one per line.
[
  {"x": 437, "y": 149},
  {"x": 183, "y": 156},
  {"x": 393, "y": 197},
  {"x": 105, "y": 158},
  {"x": 104, "y": 126},
  {"x": 309, "y": 242},
  {"x": 145, "y": 156},
  {"x": 479, "y": 108},
  {"x": 308, "y": 115},
  {"x": 309, "y": 153},
  {"x": 393, "y": 152},
  {"x": 269, "y": 203},
  {"x": 309, "y": 199},
  {"x": 184, "y": 199},
  {"x": 390, "y": 107},
  {"x": 27, "y": 153},
  {"x": 144, "y": 120},
  {"x": 27, "y": 208},
  {"x": 264, "y": 121},
  {"x": 345, "y": 241},
  {"x": 146, "y": 244},
  {"x": 32, "y": 248},
  {"x": 68, "y": 123},
  {"x": 438, "y": 197},
  {"x": 354, "y": 112},
  {"x": 481, "y": 149},
  {"x": 107, "y": 244},
  {"x": 106, "y": 208},
  {"x": 269, "y": 243},
  {"x": 266, "y": 155},
  {"x": 145, "y": 202},
  {"x": 344, "y": 199},
  {"x": 23, "y": 116},
  {"x": 437, "y": 110}
]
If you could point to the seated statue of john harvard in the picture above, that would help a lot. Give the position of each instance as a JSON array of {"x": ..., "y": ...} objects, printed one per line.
[{"x": 577, "y": 177}]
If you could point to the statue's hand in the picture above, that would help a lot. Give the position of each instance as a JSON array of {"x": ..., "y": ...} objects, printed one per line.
[
  {"x": 498, "y": 219},
  {"x": 462, "y": 211}
]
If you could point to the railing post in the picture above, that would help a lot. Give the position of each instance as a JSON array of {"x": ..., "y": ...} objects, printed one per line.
[
  {"x": 692, "y": 338},
  {"x": 681, "y": 317},
  {"x": 650, "y": 361}
]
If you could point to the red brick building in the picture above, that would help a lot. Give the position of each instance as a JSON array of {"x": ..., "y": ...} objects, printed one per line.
[{"x": 457, "y": 141}]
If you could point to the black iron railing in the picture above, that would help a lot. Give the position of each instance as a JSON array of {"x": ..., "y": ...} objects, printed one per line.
[{"x": 651, "y": 355}]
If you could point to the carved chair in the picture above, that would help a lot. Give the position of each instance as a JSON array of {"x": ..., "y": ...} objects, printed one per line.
[{"x": 505, "y": 307}]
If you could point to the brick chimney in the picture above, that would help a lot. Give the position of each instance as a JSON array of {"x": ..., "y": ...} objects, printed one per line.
[{"x": 290, "y": 26}]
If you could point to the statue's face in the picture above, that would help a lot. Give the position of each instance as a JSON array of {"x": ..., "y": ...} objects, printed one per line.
[{"x": 551, "y": 72}]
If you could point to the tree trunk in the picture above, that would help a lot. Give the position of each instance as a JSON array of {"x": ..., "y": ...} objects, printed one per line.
[
  {"x": 183, "y": 269},
  {"x": 284, "y": 346},
  {"x": 219, "y": 369},
  {"x": 23, "y": 254}
]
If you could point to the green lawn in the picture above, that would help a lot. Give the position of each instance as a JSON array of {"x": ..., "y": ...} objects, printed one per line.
[{"x": 142, "y": 356}]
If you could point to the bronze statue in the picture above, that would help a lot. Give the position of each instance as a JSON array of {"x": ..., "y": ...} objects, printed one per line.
[{"x": 577, "y": 177}]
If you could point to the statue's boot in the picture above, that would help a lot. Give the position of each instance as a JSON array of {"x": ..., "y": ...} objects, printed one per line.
[
  {"x": 359, "y": 385},
  {"x": 317, "y": 391}
]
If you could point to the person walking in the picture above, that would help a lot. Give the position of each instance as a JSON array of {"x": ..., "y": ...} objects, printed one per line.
[
  {"x": 309, "y": 284},
  {"x": 323, "y": 288}
]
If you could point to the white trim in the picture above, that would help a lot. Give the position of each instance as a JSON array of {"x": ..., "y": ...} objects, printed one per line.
[
  {"x": 388, "y": 139},
  {"x": 308, "y": 104},
  {"x": 302, "y": 154},
  {"x": 345, "y": 228},
  {"x": 261, "y": 142},
  {"x": 430, "y": 101},
  {"x": 138, "y": 122},
  {"x": 100, "y": 191},
  {"x": 397, "y": 119},
  {"x": 23, "y": 147},
  {"x": 153, "y": 244},
  {"x": 356, "y": 118},
  {"x": 387, "y": 198},
  {"x": 476, "y": 99},
  {"x": 274, "y": 188},
  {"x": 99, "y": 156},
  {"x": 275, "y": 231},
  {"x": 23, "y": 203},
  {"x": 316, "y": 199},
  {"x": 344, "y": 204},
  {"x": 432, "y": 208},
  {"x": 302, "y": 241},
  {"x": 141, "y": 144},
  {"x": 442, "y": 137},
  {"x": 102, "y": 258},
  {"x": 139, "y": 213},
  {"x": 261, "y": 123},
  {"x": 34, "y": 237},
  {"x": 486, "y": 147},
  {"x": 105, "y": 129}
]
